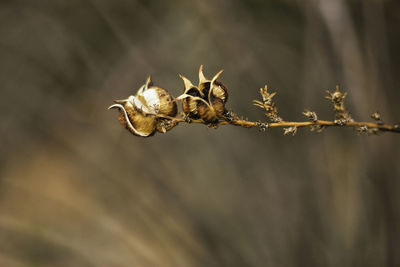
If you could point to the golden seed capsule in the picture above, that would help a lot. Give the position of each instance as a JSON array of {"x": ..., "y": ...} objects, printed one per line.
[
  {"x": 134, "y": 120},
  {"x": 138, "y": 113},
  {"x": 154, "y": 100},
  {"x": 207, "y": 100}
]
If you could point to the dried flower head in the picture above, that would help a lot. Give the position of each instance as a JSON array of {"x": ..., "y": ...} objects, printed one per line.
[
  {"x": 139, "y": 113},
  {"x": 205, "y": 101}
]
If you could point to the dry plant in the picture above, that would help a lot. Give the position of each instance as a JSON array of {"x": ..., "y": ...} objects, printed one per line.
[{"x": 153, "y": 110}]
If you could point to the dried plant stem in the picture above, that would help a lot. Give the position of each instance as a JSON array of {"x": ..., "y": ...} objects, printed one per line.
[
  {"x": 205, "y": 104},
  {"x": 383, "y": 127},
  {"x": 324, "y": 123}
]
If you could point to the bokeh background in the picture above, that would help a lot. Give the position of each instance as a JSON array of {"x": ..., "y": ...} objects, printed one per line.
[{"x": 76, "y": 189}]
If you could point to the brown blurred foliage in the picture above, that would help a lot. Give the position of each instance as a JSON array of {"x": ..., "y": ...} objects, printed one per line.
[{"x": 76, "y": 189}]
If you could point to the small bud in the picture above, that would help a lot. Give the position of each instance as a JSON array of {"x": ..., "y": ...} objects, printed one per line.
[
  {"x": 230, "y": 116},
  {"x": 337, "y": 97},
  {"x": 362, "y": 130},
  {"x": 290, "y": 130},
  {"x": 311, "y": 115},
  {"x": 376, "y": 116},
  {"x": 262, "y": 126},
  {"x": 268, "y": 105},
  {"x": 373, "y": 131},
  {"x": 340, "y": 122},
  {"x": 317, "y": 128}
]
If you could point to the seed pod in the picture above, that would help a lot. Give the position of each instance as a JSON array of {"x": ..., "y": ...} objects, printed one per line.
[
  {"x": 214, "y": 88},
  {"x": 190, "y": 97},
  {"x": 217, "y": 96},
  {"x": 154, "y": 100},
  {"x": 133, "y": 119},
  {"x": 207, "y": 101},
  {"x": 139, "y": 113}
]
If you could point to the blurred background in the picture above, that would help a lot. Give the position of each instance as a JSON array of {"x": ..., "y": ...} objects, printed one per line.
[{"x": 76, "y": 189}]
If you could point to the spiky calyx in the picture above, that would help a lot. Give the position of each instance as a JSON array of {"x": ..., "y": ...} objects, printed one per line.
[{"x": 205, "y": 101}]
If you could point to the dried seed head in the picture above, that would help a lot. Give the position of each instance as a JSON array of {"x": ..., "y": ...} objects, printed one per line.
[
  {"x": 154, "y": 100},
  {"x": 138, "y": 113},
  {"x": 190, "y": 98},
  {"x": 207, "y": 100},
  {"x": 133, "y": 119}
]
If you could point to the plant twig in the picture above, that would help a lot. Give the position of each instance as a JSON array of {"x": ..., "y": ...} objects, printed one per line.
[
  {"x": 250, "y": 124},
  {"x": 342, "y": 117},
  {"x": 153, "y": 109}
]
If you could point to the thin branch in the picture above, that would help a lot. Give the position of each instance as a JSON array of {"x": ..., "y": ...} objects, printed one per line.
[
  {"x": 337, "y": 98},
  {"x": 205, "y": 104},
  {"x": 323, "y": 123}
]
